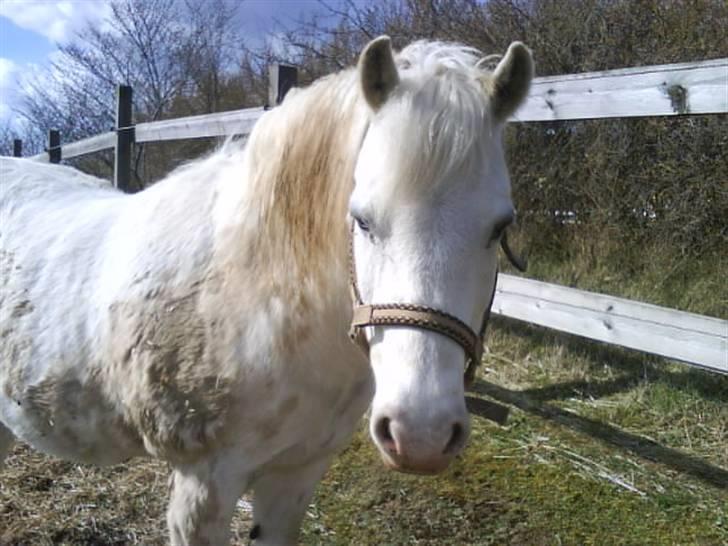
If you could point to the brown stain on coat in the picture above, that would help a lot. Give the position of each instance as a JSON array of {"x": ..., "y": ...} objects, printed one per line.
[
  {"x": 22, "y": 308},
  {"x": 178, "y": 398}
]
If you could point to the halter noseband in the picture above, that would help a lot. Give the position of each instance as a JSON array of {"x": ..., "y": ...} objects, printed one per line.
[{"x": 421, "y": 316}]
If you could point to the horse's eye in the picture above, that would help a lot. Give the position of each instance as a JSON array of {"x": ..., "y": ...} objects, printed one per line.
[{"x": 362, "y": 223}]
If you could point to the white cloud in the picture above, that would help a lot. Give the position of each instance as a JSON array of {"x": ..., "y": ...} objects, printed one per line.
[
  {"x": 57, "y": 21},
  {"x": 8, "y": 79},
  {"x": 7, "y": 68},
  {"x": 14, "y": 83}
]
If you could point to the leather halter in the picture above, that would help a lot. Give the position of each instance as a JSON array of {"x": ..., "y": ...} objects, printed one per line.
[{"x": 422, "y": 316}]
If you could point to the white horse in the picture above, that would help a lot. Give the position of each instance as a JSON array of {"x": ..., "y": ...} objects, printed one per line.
[{"x": 204, "y": 321}]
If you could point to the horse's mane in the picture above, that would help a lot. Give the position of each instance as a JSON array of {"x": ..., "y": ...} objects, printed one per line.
[
  {"x": 300, "y": 157},
  {"x": 300, "y": 163}
]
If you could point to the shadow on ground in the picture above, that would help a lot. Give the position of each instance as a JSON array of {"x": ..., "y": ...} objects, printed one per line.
[{"x": 633, "y": 370}]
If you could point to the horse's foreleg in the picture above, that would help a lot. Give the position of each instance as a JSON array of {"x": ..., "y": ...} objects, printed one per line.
[
  {"x": 6, "y": 442},
  {"x": 280, "y": 500},
  {"x": 202, "y": 501}
]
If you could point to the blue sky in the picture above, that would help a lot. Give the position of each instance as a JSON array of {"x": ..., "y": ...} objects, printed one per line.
[
  {"x": 22, "y": 46},
  {"x": 31, "y": 29}
]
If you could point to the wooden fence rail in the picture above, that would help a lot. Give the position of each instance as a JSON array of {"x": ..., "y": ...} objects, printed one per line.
[
  {"x": 664, "y": 90},
  {"x": 236, "y": 122},
  {"x": 691, "y": 338}
]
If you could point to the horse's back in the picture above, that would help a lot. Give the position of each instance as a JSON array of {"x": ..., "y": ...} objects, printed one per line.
[
  {"x": 53, "y": 220},
  {"x": 23, "y": 181},
  {"x": 40, "y": 203},
  {"x": 53, "y": 223}
]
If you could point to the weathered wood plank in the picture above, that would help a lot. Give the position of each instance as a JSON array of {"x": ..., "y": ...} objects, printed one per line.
[
  {"x": 692, "y": 338},
  {"x": 104, "y": 141},
  {"x": 661, "y": 90},
  {"x": 208, "y": 125},
  {"x": 235, "y": 122}
]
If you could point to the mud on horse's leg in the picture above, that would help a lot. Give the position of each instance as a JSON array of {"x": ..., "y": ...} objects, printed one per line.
[
  {"x": 202, "y": 501},
  {"x": 280, "y": 501}
]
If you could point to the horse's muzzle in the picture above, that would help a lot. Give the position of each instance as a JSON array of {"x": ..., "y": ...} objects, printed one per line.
[{"x": 425, "y": 449}]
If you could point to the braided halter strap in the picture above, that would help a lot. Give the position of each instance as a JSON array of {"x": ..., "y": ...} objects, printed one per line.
[{"x": 417, "y": 316}]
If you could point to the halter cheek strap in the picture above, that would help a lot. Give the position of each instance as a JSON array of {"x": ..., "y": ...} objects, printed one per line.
[{"x": 420, "y": 316}]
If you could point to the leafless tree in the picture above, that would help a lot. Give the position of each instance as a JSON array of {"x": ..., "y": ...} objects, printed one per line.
[{"x": 177, "y": 56}]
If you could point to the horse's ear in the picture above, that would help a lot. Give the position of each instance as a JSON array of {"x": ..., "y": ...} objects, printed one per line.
[
  {"x": 511, "y": 80},
  {"x": 377, "y": 71}
]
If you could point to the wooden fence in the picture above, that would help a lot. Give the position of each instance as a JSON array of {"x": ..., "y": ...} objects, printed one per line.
[{"x": 665, "y": 90}]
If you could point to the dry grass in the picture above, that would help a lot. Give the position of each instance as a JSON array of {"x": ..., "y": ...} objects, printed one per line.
[{"x": 45, "y": 501}]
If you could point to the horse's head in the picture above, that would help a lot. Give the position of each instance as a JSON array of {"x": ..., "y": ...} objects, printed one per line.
[{"x": 430, "y": 202}]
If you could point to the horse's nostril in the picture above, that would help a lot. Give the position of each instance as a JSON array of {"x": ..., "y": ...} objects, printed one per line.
[
  {"x": 456, "y": 439},
  {"x": 384, "y": 434}
]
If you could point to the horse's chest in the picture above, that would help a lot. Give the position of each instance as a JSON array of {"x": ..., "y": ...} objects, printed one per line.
[{"x": 306, "y": 426}]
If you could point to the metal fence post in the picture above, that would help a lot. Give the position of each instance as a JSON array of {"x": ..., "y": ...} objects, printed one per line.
[
  {"x": 54, "y": 146},
  {"x": 124, "y": 138},
  {"x": 17, "y": 147},
  {"x": 281, "y": 78}
]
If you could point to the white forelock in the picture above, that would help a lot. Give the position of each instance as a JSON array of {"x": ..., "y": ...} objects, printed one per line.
[
  {"x": 444, "y": 107},
  {"x": 429, "y": 55}
]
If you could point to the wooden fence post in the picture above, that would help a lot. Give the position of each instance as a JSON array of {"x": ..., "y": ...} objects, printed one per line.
[
  {"x": 281, "y": 78},
  {"x": 54, "y": 146},
  {"x": 17, "y": 147},
  {"x": 124, "y": 138}
]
